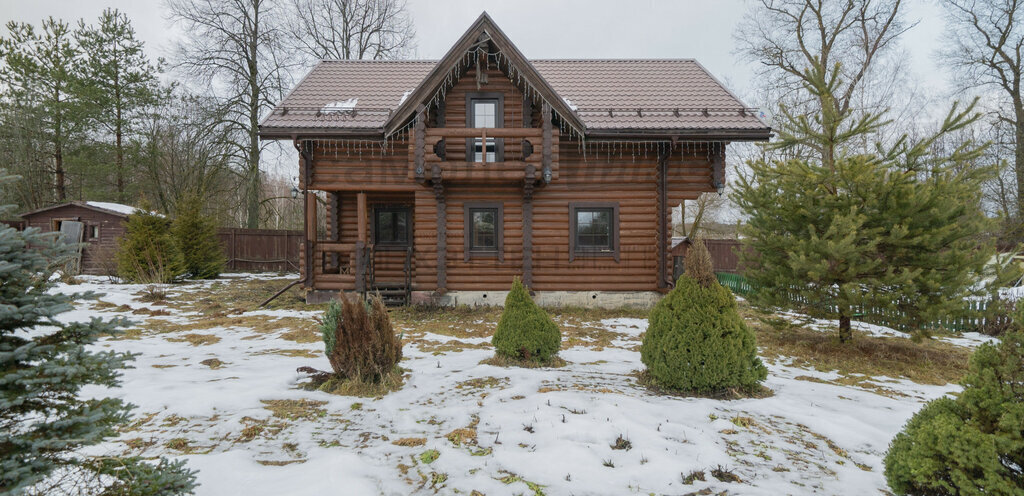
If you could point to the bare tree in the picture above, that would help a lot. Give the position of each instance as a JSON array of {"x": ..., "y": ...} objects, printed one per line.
[
  {"x": 351, "y": 29},
  {"x": 184, "y": 149},
  {"x": 821, "y": 53},
  {"x": 986, "y": 45},
  {"x": 235, "y": 48}
]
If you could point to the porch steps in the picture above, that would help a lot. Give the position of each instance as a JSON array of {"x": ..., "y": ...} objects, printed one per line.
[{"x": 392, "y": 293}]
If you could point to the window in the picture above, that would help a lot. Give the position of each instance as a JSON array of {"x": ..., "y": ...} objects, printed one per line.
[
  {"x": 94, "y": 232},
  {"x": 485, "y": 110},
  {"x": 391, "y": 226},
  {"x": 484, "y": 231},
  {"x": 594, "y": 230}
]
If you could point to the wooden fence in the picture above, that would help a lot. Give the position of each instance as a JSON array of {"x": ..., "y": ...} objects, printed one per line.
[
  {"x": 724, "y": 253},
  {"x": 974, "y": 316},
  {"x": 261, "y": 250}
]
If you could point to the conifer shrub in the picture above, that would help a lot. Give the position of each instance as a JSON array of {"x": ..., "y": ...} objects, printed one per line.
[
  {"x": 525, "y": 331},
  {"x": 196, "y": 237},
  {"x": 47, "y": 424},
  {"x": 971, "y": 445},
  {"x": 359, "y": 340},
  {"x": 147, "y": 253},
  {"x": 696, "y": 341}
]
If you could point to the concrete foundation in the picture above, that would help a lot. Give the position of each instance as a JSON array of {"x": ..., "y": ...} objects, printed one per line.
[{"x": 584, "y": 299}]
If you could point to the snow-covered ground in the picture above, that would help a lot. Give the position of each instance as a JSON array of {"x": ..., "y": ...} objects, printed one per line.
[{"x": 208, "y": 389}]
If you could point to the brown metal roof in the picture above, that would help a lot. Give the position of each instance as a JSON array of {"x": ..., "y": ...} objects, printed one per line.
[{"x": 605, "y": 96}]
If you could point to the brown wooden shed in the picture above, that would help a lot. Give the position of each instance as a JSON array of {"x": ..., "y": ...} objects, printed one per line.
[{"x": 103, "y": 224}]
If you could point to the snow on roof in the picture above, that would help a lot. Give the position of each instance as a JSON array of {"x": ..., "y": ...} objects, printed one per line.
[
  {"x": 113, "y": 207},
  {"x": 404, "y": 96},
  {"x": 346, "y": 106}
]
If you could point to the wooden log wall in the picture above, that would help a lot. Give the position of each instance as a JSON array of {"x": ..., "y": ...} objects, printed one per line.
[{"x": 630, "y": 180}]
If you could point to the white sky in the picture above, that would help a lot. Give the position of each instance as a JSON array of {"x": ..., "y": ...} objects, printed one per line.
[{"x": 700, "y": 29}]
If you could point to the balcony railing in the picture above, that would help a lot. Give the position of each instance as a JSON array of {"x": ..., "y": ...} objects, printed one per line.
[{"x": 447, "y": 149}]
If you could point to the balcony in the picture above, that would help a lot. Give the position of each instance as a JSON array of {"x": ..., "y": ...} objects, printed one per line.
[{"x": 446, "y": 148}]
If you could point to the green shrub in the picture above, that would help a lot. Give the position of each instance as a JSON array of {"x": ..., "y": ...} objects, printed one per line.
[
  {"x": 363, "y": 345},
  {"x": 525, "y": 331},
  {"x": 696, "y": 341},
  {"x": 196, "y": 236},
  {"x": 148, "y": 253},
  {"x": 971, "y": 445}
]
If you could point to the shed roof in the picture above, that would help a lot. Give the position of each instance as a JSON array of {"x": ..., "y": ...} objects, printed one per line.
[
  {"x": 117, "y": 209},
  {"x": 605, "y": 96}
]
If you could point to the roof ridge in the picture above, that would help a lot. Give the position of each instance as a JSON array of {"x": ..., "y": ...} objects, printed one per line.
[
  {"x": 627, "y": 59},
  {"x": 562, "y": 59},
  {"x": 380, "y": 61}
]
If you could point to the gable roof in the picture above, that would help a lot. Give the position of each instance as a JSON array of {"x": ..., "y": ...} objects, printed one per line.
[
  {"x": 642, "y": 96},
  {"x": 116, "y": 209}
]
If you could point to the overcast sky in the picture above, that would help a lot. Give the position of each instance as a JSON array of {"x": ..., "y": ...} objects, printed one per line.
[{"x": 701, "y": 29}]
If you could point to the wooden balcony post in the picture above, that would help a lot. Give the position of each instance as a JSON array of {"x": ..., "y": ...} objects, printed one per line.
[
  {"x": 528, "y": 185},
  {"x": 334, "y": 224},
  {"x": 546, "y": 140},
  {"x": 309, "y": 209},
  {"x": 663, "y": 215},
  {"x": 421, "y": 128},
  {"x": 442, "y": 230},
  {"x": 361, "y": 216}
]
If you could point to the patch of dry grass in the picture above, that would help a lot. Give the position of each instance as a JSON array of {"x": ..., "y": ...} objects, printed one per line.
[
  {"x": 341, "y": 386},
  {"x": 296, "y": 409},
  {"x": 927, "y": 362},
  {"x": 410, "y": 442},
  {"x": 213, "y": 363},
  {"x": 291, "y": 353},
  {"x": 197, "y": 339}
]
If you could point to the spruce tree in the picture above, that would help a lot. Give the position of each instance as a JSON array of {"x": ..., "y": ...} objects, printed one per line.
[
  {"x": 901, "y": 231},
  {"x": 196, "y": 236},
  {"x": 525, "y": 331},
  {"x": 696, "y": 341},
  {"x": 44, "y": 363},
  {"x": 148, "y": 253},
  {"x": 971, "y": 445}
]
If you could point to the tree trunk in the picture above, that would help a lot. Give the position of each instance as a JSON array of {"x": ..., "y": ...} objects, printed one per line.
[
  {"x": 252, "y": 214},
  {"x": 1018, "y": 162},
  {"x": 118, "y": 134},
  {"x": 845, "y": 334}
]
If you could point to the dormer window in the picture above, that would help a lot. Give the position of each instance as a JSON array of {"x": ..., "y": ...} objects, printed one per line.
[{"x": 484, "y": 110}]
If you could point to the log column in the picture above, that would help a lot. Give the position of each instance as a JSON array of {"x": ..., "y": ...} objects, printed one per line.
[
  {"x": 420, "y": 132},
  {"x": 528, "y": 186},
  {"x": 334, "y": 224},
  {"x": 360, "y": 250},
  {"x": 546, "y": 132},
  {"x": 442, "y": 230},
  {"x": 309, "y": 208},
  {"x": 664, "y": 152}
]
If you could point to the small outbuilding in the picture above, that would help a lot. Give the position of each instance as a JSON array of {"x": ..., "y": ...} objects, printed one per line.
[{"x": 97, "y": 225}]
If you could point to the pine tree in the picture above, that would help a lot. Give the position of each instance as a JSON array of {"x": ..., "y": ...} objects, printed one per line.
[
  {"x": 118, "y": 81},
  {"x": 971, "y": 445},
  {"x": 196, "y": 237},
  {"x": 148, "y": 252},
  {"x": 525, "y": 331},
  {"x": 42, "y": 74},
  {"x": 696, "y": 341},
  {"x": 44, "y": 363},
  {"x": 902, "y": 231}
]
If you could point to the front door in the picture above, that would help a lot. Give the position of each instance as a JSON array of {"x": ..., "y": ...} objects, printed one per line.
[{"x": 391, "y": 265}]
